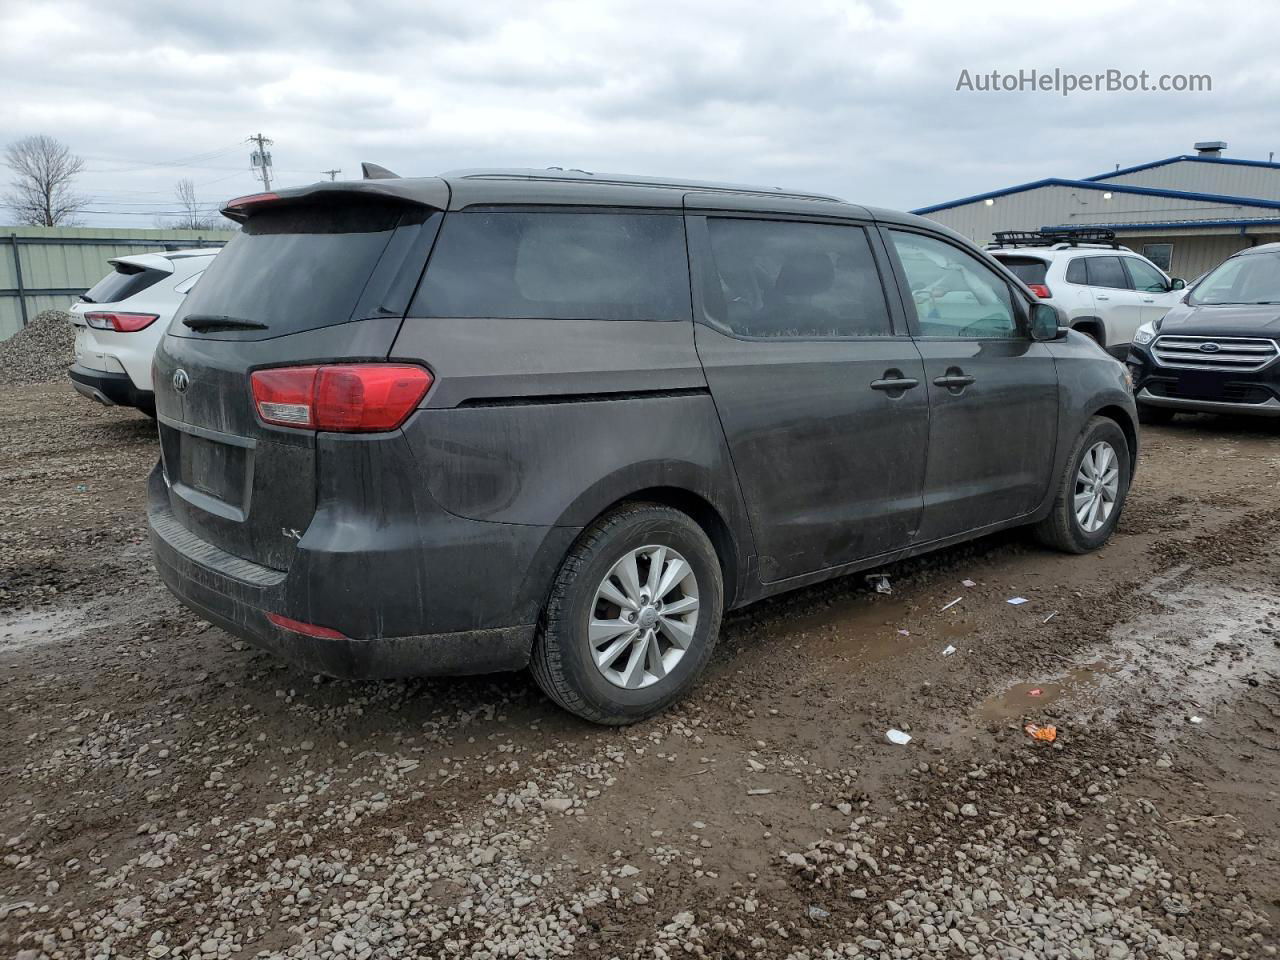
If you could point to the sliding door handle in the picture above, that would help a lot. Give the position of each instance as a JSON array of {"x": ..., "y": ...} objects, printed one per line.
[{"x": 895, "y": 384}]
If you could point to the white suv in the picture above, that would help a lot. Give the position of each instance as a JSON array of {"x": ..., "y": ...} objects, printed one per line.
[
  {"x": 1106, "y": 290},
  {"x": 122, "y": 317}
]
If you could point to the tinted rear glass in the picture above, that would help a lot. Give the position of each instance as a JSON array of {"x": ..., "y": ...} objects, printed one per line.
[
  {"x": 779, "y": 278},
  {"x": 1106, "y": 272},
  {"x": 569, "y": 266},
  {"x": 1027, "y": 269},
  {"x": 124, "y": 281},
  {"x": 296, "y": 268}
]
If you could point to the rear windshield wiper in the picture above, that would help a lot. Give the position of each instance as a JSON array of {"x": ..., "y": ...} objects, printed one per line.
[{"x": 203, "y": 322}]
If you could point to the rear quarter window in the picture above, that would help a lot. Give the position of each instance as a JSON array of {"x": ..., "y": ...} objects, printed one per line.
[
  {"x": 557, "y": 265},
  {"x": 1027, "y": 269}
]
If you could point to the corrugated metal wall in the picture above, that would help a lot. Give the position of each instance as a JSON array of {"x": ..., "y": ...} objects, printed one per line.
[
  {"x": 1200, "y": 177},
  {"x": 59, "y": 262},
  {"x": 1058, "y": 206},
  {"x": 1193, "y": 255}
]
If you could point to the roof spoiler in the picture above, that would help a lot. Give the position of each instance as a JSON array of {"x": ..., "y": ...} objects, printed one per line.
[
  {"x": 419, "y": 191},
  {"x": 372, "y": 171}
]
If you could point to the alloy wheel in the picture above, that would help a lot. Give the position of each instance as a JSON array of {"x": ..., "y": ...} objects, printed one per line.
[
  {"x": 644, "y": 617},
  {"x": 1097, "y": 487}
]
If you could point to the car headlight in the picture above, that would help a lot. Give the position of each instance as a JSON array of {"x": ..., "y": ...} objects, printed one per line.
[{"x": 1144, "y": 334}]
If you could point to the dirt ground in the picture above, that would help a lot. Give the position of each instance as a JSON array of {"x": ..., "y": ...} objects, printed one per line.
[{"x": 171, "y": 792}]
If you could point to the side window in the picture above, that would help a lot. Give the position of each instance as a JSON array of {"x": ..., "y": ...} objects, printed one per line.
[
  {"x": 1106, "y": 272},
  {"x": 955, "y": 294},
  {"x": 566, "y": 266},
  {"x": 1145, "y": 277},
  {"x": 780, "y": 278},
  {"x": 1076, "y": 272},
  {"x": 1161, "y": 254}
]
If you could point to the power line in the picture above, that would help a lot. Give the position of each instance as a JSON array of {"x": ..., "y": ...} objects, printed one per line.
[{"x": 333, "y": 174}]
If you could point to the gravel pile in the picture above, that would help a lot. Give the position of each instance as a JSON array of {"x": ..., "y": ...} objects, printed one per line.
[{"x": 41, "y": 352}]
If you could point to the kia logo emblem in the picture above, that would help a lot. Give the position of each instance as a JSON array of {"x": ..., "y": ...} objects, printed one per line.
[
  {"x": 181, "y": 381},
  {"x": 1210, "y": 347}
]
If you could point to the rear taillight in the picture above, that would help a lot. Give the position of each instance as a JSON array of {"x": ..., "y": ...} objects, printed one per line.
[
  {"x": 1040, "y": 290},
  {"x": 346, "y": 398},
  {"x": 120, "y": 322}
]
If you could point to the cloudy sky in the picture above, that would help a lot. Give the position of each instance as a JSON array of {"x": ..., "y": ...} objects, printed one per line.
[{"x": 857, "y": 98}]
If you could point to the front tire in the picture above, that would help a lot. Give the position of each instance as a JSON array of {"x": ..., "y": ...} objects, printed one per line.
[
  {"x": 633, "y": 616},
  {"x": 1091, "y": 491}
]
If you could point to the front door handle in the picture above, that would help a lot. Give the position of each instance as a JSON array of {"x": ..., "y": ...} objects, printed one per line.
[
  {"x": 953, "y": 381},
  {"x": 1148, "y": 299}
]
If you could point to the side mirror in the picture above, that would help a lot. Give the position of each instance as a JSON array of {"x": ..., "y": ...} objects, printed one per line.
[
  {"x": 1046, "y": 321},
  {"x": 1177, "y": 283}
]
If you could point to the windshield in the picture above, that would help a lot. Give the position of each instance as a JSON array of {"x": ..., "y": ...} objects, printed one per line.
[{"x": 1254, "y": 278}]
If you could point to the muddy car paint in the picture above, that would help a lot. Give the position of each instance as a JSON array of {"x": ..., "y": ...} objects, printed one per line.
[{"x": 431, "y": 548}]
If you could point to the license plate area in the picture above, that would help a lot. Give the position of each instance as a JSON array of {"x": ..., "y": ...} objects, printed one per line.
[
  {"x": 1201, "y": 384},
  {"x": 212, "y": 472}
]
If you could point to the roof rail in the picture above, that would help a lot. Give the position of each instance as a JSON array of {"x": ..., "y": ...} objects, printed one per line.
[
  {"x": 624, "y": 179},
  {"x": 1058, "y": 239}
]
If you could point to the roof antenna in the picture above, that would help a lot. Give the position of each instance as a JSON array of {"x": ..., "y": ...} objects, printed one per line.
[{"x": 371, "y": 171}]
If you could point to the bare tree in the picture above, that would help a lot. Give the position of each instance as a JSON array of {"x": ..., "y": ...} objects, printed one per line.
[
  {"x": 43, "y": 171},
  {"x": 192, "y": 216}
]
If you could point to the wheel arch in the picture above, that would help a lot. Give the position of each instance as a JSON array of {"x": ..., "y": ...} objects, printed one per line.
[
  {"x": 706, "y": 515},
  {"x": 1091, "y": 326},
  {"x": 1127, "y": 426}
]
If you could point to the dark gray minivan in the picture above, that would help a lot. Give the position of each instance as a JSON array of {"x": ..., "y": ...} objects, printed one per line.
[{"x": 510, "y": 418}]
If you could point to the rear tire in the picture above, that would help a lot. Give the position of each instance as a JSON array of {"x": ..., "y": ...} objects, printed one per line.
[
  {"x": 642, "y": 658},
  {"x": 1154, "y": 416},
  {"x": 1083, "y": 490}
]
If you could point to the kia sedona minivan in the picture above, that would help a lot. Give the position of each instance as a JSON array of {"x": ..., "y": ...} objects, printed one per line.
[{"x": 508, "y": 418}]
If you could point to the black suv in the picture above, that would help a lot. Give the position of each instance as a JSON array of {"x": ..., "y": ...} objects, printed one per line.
[
  {"x": 1216, "y": 351},
  {"x": 505, "y": 418}
]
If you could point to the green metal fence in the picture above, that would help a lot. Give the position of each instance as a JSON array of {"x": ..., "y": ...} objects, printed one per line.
[{"x": 45, "y": 268}]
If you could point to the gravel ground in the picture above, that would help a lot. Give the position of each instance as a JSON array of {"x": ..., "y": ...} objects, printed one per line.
[
  {"x": 172, "y": 792},
  {"x": 40, "y": 352}
]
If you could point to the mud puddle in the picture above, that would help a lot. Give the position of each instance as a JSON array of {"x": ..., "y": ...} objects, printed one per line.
[
  {"x": 1208, "y": 641},
  {"x": 37, "y": 628}
]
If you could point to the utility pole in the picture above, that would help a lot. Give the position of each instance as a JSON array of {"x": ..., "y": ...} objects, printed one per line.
[
  {"x": 333, "y": 174},
  {"x": 260, "y": 159}
]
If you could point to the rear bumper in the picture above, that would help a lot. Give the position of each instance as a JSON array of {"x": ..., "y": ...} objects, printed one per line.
[
  {"x": 237, "y": 596},
  {"x": 110, "y": 389}
]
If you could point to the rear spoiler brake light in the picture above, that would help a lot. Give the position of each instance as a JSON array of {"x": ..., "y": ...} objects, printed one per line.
[{"x": 241, "y": 205}]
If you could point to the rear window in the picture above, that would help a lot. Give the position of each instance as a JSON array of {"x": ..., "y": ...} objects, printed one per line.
[
  {"x": 568, "y": 266},
  {"x": 296, "y": 268},
  {"x": 125, "y": 281},
  {"x": 1027, "y": 269}
]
